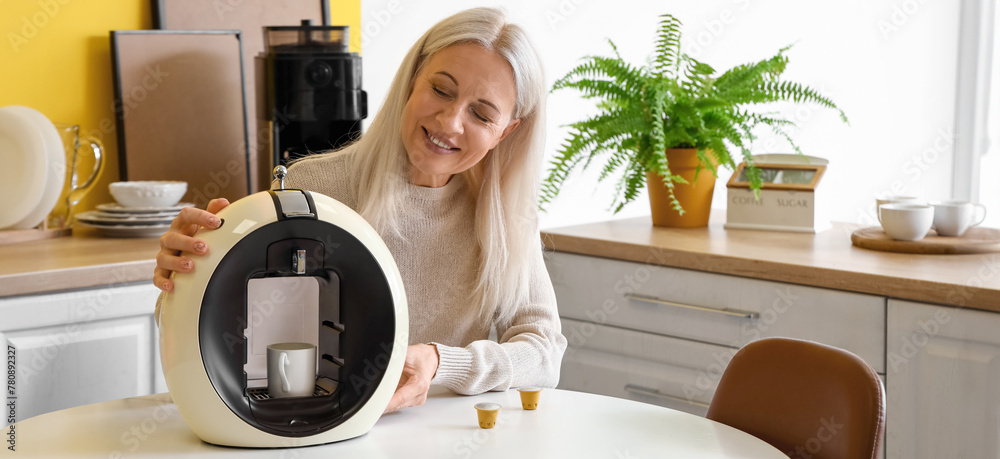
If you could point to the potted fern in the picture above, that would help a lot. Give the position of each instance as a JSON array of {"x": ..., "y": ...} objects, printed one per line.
[{"x": 671, "y": 123}]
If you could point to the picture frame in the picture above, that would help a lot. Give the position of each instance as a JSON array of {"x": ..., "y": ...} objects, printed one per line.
[
  {"x": 164, "y": 11},
  {"x": 181, "y": 111},
  {"x": 250, "y": 17}
]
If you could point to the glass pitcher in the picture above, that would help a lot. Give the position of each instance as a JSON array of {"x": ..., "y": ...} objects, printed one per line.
[{"x": 84, "y": 163}]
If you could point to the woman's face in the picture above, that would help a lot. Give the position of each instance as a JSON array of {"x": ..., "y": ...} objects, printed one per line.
[{"x": 460, "y": 108}]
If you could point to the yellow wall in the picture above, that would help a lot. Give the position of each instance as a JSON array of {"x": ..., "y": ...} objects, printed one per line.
[
  {"x": 55, "y": 57},
  {"x": 347, "y": 12}
]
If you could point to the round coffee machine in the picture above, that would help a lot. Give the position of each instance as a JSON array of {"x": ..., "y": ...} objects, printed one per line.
[{"x": 285, "y": 266}]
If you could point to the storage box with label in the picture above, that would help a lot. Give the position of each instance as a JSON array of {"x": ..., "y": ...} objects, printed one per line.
[{"x": 789, "y": 199}]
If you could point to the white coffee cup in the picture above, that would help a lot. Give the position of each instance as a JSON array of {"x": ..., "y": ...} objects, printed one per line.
[
  {"x": 953, "y": 218},
  {"x": 291, "y": 369},
  {"x": 906, "y": 221},
  {"x": 894, "y": 199}
]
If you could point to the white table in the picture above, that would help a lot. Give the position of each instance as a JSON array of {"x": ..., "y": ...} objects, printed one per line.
[{"x": 566, "y": 424}]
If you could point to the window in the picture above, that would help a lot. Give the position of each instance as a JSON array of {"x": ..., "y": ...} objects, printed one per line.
[
  {"x": 989, "y": 162},
  {"x": 976, "y": 170}
]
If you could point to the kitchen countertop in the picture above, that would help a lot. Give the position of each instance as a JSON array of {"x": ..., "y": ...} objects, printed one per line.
[
  {"x": 73, "y": 262},
  {"x": 827, "y": 259}
]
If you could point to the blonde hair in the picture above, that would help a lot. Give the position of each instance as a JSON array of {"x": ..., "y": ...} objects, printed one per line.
[{"x": 504, "y": 184}]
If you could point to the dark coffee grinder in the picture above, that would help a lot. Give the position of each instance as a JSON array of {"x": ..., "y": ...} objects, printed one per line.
[{"x": 314, "y": 95}]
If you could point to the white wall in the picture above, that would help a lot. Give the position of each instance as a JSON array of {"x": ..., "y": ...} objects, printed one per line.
[{"x": 890, "y": 64}]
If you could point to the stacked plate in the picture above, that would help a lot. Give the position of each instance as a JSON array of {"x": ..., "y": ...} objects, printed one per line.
[
  {"x": 116, "y": 220},
  {"x": 34, "y": 166}
]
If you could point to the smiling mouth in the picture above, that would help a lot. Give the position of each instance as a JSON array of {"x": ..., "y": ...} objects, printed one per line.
[{"x": 438, "y": 142}]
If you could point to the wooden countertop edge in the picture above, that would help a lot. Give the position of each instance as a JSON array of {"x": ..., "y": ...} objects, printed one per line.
[
  {"x": 883, "y": 285},
  {"x": 950, "y": 294},
  {"x": 104, "y": 275}
]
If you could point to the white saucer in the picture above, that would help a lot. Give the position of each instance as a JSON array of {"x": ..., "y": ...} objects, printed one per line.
[
  {"x": 97, "y": 217},
  {"x": 125, "y": 216},
  {"x": 114, "y": 207},
  {"x": 127, "y": 231}
]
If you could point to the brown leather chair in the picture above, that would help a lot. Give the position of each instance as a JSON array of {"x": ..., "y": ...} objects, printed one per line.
[{"x": 807, "y": 399}]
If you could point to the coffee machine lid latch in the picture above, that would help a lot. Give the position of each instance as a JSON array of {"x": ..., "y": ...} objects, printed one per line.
[
  {"x": 280, "y": 172},
  {"x": 291, "y": 203}
]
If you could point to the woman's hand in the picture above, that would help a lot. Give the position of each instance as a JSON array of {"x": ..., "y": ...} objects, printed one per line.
[
  {"x": 179, "y": 238},
  {"x": 419, "y": 368}
]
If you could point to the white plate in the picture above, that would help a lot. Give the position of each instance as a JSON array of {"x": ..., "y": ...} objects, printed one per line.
[
  {"x": 114, "y": 207},
  {"x": 53, "y": 157},
  {"x": 22, "y": 154},
  {"x": 94, "y": 217},
  {"x": 127, "y": 231}
]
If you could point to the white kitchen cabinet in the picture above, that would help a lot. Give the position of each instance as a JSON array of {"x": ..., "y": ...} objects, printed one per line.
[
  {"x": 81, "y": 347},
  {"x": 671, "y": 372},
  {"x": 665, "y": 335},
  {"x": 727, "y": 311},
  {"x": 943, "y": 374}
]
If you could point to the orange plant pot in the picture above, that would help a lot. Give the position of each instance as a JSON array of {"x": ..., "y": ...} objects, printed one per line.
[{"x": 695, "y": 198}]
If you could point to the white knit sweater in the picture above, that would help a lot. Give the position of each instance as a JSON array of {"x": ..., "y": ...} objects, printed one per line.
[{"x": 438, "y": 258}]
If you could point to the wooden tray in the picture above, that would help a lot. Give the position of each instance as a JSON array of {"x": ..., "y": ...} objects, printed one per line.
[{"x": 975, "y": 240}]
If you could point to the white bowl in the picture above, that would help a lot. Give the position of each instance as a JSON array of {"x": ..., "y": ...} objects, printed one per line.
[
  {"x": 148, "y": 194},
  {"x": 906, "y": 221}
]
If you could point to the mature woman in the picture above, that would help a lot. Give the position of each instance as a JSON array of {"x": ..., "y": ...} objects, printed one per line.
[{"x": 448, "y": 174}]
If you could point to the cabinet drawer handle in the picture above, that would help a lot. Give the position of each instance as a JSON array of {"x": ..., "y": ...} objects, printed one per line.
[
  {"x": 632, "y": 388},
  {"x": 728, "y": 312}
]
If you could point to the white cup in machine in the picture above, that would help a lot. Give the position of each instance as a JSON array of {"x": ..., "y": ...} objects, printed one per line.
[
  {"x": 892, "y": 200},
  {"x": 906, "y": 221},
  {"x": 953, "y": 218},
  {"x": 291, "y": 369}
]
